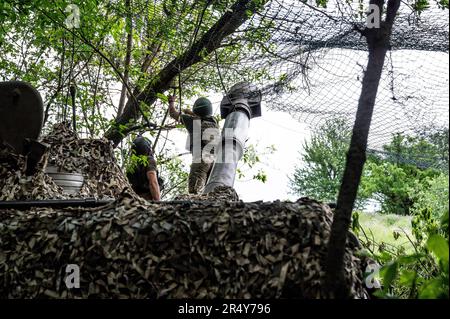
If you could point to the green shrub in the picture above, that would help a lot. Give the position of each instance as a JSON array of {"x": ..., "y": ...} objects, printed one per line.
[
  {"x": 434, "y": 198},
  {"x": 424, "y": 272}
]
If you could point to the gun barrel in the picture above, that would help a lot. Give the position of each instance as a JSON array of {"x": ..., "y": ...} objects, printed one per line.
[{"x": 241, "y": 104}]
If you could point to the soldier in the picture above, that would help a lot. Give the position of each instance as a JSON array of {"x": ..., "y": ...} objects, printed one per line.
[
  {"x": 142, "y": 173},
  {"x": 203, "y": 129}
]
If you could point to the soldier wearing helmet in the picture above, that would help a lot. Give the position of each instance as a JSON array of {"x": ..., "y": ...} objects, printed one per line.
[
  {"x": 198, "y": 120},
  {"x": 143, "y": 173}
]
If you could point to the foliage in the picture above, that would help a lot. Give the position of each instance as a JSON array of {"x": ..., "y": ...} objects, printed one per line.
[
  {"x": 422, "y": 272},
  {"x": 251, "y": 162},
  {"x": 406, "y": 167},
  {"x": 421, "y": 5},
  {"x": 394, "y": 186},
  {"x": 428, "y": 149},
  {"x": 323, "y": 162},
  {"x": 38, "y": 47},
  {"x": 431, "y": 204},
  {"x": 397, "y": 177},
  {"x": 439, "y": 139},
  {"x": 134, "y": 161},
  {"x": 383, "y": 229},
  {"x": 175, "y": 177}
]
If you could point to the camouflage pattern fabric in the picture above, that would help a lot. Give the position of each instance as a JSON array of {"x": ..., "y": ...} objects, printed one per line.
[
  {"x": 198, "y": 176},
  {"x": 194, "y": 249},
  {"x": 94, "y": 158},
  {"x": 201, "y": 167}
]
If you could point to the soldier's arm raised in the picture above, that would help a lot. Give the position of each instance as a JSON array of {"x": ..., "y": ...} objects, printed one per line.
[
  {"x": 172, "y": 111},
  {"x": 188, "y": 112}
]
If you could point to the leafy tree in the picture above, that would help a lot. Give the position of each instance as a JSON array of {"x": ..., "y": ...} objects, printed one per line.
[
  {"x": 439, "y": 138},
  {"x": 175, "y": 177},
  {"x": 424, "y": 272},
  {"x": 429, "y": 149},
  {"x": 135, "y": 49},
  {"x": 322, "y": 162},
  {"x": 395, "y": 178},
  {"x": 393, "y": 185},
  {"x": 429, "y": 208},
  {"x": 378, "y": 42}
]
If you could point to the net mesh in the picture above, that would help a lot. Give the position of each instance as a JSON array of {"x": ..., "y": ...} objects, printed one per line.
[{"x": 314, "y": 61}]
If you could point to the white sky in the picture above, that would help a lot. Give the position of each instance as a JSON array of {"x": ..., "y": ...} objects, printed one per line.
[{"x": 288, "y": 136}]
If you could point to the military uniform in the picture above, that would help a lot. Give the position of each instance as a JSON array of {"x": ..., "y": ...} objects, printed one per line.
[
  {"x": 201, "y": 165},
  {"x": 137, "y": 174}
]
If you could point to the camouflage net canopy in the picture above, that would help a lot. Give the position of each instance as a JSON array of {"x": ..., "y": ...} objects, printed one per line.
[
  {"x": 313, "y": 61},
  {"x": 132, "y": 249},
  {"x": 94, "y": 159}
]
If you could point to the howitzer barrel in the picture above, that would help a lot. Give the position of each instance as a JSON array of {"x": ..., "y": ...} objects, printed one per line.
[{"x": 242, "y": 103}]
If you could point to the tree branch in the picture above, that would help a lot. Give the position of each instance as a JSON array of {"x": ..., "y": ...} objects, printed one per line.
[
  {"x": 127, "y": 61},
  {"x": 210, "y": 41}
]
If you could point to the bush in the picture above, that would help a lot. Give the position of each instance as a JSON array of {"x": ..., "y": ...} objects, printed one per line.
[
  {"x": 395, "y": 186},
  {"x": 434, "y": 198},
  {"x": 424, "y": 273}
]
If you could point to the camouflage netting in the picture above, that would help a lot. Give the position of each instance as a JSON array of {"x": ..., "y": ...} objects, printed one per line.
[
  {"x": 15, "y": 185},
  {"x": 220, "y": 193},
  {"x": 92, "y": 158},
  {"x": 201, "y": 246},
  {"x": 187, "y": 250}
]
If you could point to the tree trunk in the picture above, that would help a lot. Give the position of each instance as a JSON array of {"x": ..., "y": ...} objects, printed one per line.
[
  {"x": 209, "y": 42},
  {"x": 123, "y": 93},
  {"x": 378, "y": 43}
]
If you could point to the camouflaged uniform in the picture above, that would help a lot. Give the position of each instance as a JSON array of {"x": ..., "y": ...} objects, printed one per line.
[{"x": 201, "y": 166}]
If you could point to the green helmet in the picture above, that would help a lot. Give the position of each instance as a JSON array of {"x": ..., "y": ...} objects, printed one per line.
[{"x": 202, "y": 107}]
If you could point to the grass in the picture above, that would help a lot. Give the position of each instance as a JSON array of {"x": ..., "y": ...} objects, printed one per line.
[{"x": 381, "y": 228}]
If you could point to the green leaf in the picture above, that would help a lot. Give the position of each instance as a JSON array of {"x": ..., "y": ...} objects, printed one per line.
[
  {"x": 162, "y": 97},
  {"x": 432, "y": 289},
  {"x": 384, "y": 257},
  {"x": 421, "y": 5},
  {"x": 380, "y": 294},
  {"x": 444, "y": 219},
  {"x": 389, "y": 273},
  {"x": 363, "y": 253},
  {"x": 409, "y": 259},
  {"x": 443, "y": 4},
  {"x": 321, "y": 3},
  {"x": 407, "y": 277},
  {"x": 439, "y": 246}
]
